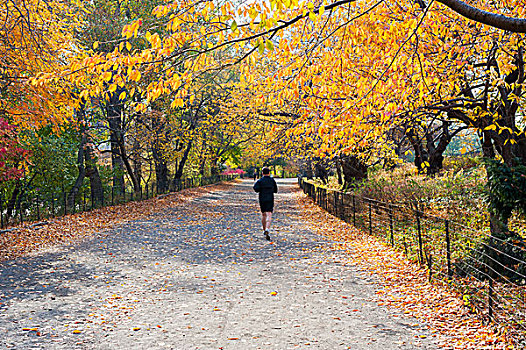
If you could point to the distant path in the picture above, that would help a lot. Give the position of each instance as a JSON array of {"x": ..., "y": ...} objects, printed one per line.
[{"x": 200, "y": 276}]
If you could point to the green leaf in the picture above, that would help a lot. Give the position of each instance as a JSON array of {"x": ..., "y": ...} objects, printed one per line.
[
  {"x": 233, "y": 26},
  {"x": 270, "y": 45}
]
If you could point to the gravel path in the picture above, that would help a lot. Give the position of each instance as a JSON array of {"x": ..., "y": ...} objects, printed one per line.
[{"x": 200, "y": 276}]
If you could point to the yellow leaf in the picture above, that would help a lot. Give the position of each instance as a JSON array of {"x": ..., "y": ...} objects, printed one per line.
[
  {"x": 95, "y": 45},
  {"x": 491, "y": 127}
]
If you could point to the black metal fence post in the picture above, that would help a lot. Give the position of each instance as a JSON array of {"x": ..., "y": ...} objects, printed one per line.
[
  {"x": 38, "y": 207},
  {"x": 430, "y": 266},
  {"x": 354, "y": 210},
  {"x": 391, "y": 228},
  {"x": 490, "y": 298},
  {"x": 20, "y": 209},
  {"x": 1, "y": 211},
  {"x": 370, "y": 219},
  {"x": 336, "y": 204},
  {"x": 419, "y": 232},
  {"x": 65, "y": 200},
  {"x": 448, "y": 249},
  {"x": 53, "y": 205}
]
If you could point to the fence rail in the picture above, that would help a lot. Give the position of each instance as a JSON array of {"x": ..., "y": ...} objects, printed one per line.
[
  {"x": 489, "y": 272},
  {"x": 41, "y": 206}
]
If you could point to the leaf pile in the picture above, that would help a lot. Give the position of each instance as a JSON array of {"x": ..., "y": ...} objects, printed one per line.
[
  {"x": 405, "y": 286},
  {"x": 28, "y": 238}
]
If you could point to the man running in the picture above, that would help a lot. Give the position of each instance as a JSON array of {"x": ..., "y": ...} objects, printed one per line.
[{"x": 266, "y": 187}]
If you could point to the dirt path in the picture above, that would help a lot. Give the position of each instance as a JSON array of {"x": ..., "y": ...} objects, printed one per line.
[{"x": 200, "y": 276}]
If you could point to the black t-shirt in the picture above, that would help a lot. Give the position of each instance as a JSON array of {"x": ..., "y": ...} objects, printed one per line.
[{"x": 266, "y": 187}]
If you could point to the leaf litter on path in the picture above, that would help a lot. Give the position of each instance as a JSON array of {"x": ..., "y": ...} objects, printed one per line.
[
  {"x": 404, "y": 285},
  {"x": 76, "y": 227}
]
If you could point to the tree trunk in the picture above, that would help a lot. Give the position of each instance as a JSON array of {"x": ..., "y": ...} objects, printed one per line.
[
  {"x": 179, "y": 172},
  {"x": 339, "y": 172},
  {"x": 321, "y": 172},
  {"x": 113, "y": 111},
  {"x": 161, "y": 170},
  {"x": 82, "y": 173},
  {"x": 129, "y": 168},
  {"x": 11, "y": 203},
  {"x": 353, "y": 170},
  {"x": 80, "y": 160},
  {"x": 420, "y": 153},
  {"x": 97, "y": 192}
]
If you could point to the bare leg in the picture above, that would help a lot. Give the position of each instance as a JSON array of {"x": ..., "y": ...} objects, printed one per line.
[
  {"x": 269, "y": 220},
  {"x": 264, "y": 220}
]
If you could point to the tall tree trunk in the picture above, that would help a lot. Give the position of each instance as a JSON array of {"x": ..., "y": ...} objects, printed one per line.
[
  {"x": 92, "y": 172},
  {"x": 339, "y": 172},
  {"x": 214, "y": 166},
  {"x": 11, "y": 203},
  {"x": 137, "y": 159},
  {"x": 80, "y": 177},
  {"x": 129, "y": 168},
  {"x": 114, "y": 110},
  {"x": 80, "y": 159},
  {"x": 161, "y": 170},
  {"x": 353, "y": 170},
  {"x": 320, "y": 171},
  {"x": 179, "y": 172},
  {"x": 419, "y": 150}
]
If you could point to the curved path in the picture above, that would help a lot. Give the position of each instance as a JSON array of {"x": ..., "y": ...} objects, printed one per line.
[{"x": 200, "y": 276}]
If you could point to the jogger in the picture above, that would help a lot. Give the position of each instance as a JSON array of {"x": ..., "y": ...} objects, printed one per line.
[{"x": 266, "y": 187}]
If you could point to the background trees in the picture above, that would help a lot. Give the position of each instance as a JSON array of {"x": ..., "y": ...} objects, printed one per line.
[{"x": 168, "y": 89}]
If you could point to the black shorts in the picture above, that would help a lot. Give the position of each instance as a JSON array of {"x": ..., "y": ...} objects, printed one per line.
[{"x": 266, "y": 206}]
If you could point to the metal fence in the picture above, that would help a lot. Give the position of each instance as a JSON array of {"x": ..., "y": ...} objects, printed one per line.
[
  {"x": 39, "y": 206},
  {"x": 488, "y": 271}
]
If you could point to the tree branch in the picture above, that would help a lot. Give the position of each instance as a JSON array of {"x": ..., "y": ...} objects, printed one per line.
[{"x": 516, "y": 25}]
